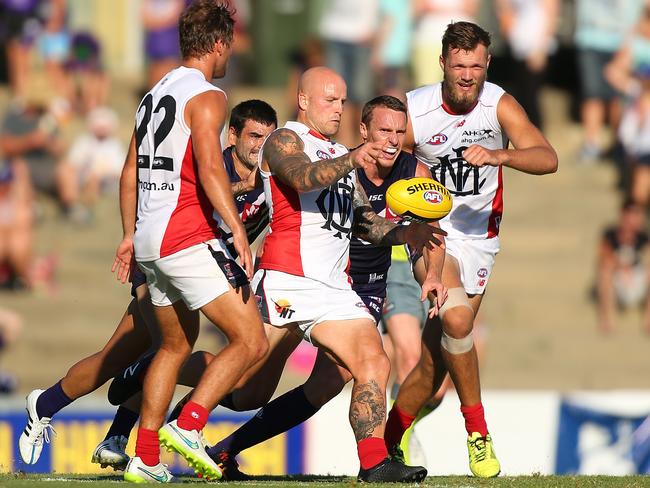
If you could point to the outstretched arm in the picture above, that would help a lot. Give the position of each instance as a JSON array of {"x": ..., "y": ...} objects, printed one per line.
[{"x": 284, "y": 154}]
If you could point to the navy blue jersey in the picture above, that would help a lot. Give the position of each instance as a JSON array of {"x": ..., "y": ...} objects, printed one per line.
[
  {"x": 369, "y": 263},
  {"x": 251, "y": 206}
]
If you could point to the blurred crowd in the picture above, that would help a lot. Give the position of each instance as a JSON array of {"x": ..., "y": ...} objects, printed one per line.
[{"x": 379, "y": 46}]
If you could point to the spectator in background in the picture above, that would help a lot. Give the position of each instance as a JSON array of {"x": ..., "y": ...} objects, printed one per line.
[
  {"x": 622, "y": 268},
  {"x": 432, "y": 18},
  {"x": 32, "y": 134},
  {"x": 529, "y": 27},
  {"x": 634, "y": 135},
  {"x": 16, "y": 222},
  {"x": 54, "y": 43},
  {"x": 348, "y": 29},
  {"x": 87, "y": 84},
  {"x": 390, "y": 55},
  {"x": 19, "y": 27},
  {"x": 95, "y": 160},
  {"x": 629, "y": 73},
  {"x": 601, "y": 26},
  {"x": 160, "y": 21},
  {"x": 10, "y": 327}
]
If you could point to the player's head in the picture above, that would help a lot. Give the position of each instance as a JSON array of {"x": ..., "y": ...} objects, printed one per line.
[
  {"x": 205, "y": 28},
  {"x": 464, "y": 61},
  {"x": 250, "y": 122},
  {"x": 384, "y": 119},
  {"x": 321, "y": 96}
]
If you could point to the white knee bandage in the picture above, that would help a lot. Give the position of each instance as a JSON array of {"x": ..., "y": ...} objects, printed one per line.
[
  {"x": 456, "y": 297},
  {"x": 457, "y": 346}
]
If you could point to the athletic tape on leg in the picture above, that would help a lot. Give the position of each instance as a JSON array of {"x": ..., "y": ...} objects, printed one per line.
[
  {"x": 457, "y": 346},
  {"x": 456, "y": 297}
]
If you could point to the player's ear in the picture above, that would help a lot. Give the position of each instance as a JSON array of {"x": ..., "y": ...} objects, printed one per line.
[
  {"x": 232, "y": 136},
  {"x": 220, "y": 47},
  {"x": 441, "y": 60},
  {"x": 364, "y": 131},
  {"x": 302, "y": 101},
  {"x": 489, "y": 58}
]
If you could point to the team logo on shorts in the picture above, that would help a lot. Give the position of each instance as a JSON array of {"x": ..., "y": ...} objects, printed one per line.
[
  {"x": 322, "y": 154},
  {"x": 432, "y": 196},
  {"x": 283, "y": 308},
  {"x": 438, "y": 139},
  {"x": 482, "y": 273}
]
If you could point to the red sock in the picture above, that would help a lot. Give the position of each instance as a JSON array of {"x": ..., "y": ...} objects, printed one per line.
[
  {"x": 147, "y": 447},
  {"x": 398, "y": 422},
  {"x": 474, "y": 419},
  {"x": 371, "y": 451},
  {"x": 193, "y": 417}
]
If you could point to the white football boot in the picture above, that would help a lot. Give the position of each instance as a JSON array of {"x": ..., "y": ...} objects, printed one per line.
[
  {"x": 36, "y": 430},
  {"x": 191, "y": 445},
  {"x": 112, "y": 452},
  {"x": 138, "y": 472}
]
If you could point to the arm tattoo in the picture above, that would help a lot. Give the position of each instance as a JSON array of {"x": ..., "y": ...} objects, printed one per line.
[
  {"x": 284, "y": 153},
  {"x": 367, "y": 409},
  {"x": 371, "y": 227}
]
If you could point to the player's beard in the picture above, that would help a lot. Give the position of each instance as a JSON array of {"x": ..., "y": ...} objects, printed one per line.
[{"x": 458, "y": 101}]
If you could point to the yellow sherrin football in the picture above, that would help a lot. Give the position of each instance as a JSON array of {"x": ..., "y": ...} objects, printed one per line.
[{"x": 419, "y": 199}]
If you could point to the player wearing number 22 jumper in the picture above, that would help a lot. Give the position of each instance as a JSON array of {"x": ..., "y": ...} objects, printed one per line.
[{"x": 168, "y": 224}]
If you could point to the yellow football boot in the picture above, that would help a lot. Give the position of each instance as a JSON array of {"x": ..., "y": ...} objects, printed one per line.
[{"x": 483, "y": 461}]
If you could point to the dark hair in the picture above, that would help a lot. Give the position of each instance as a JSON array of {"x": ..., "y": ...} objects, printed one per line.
[
  {"x": 385, "y": 101},
  {"x": 465, "y": 36},
  {"x": 256, "y": 110},
  {"x": 202, "y": 24}
]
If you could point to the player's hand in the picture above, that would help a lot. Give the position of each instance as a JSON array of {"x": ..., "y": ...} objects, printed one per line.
[
  {"x": 124, "y": 260},
  {"x": 478, "y": 156},
  {"x": 366, "y": 154},
  {"x": 419, "y": 235},
  {"x": 240, "y": 242},
  {"x": 436, "y": 292}
]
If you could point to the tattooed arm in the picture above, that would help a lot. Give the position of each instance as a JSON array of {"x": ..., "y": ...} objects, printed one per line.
[
  {"x": 284, "y": 155},
  {"x": 375, "y": 229}
]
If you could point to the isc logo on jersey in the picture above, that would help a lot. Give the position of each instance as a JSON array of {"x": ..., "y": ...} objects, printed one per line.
[{"x": 437, "y": 139}]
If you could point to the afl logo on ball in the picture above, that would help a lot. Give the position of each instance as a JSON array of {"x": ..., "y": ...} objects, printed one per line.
[
  {"x": 432, "y": 197},
  {"x": 482, "y": 273},
  {"x": 437, "y": 140},
  {"x": 322, "y": 154}
]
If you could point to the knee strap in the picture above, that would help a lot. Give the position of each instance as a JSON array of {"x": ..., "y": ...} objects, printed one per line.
[
  {"x": 457, "y": 346},
  {"x": 456, "y": 297}
]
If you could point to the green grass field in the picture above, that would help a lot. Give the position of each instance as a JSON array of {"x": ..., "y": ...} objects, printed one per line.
[{"x": 20, "y": 480}]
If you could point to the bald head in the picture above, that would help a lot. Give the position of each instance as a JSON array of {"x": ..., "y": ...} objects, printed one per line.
[
  {"x": 321, "y": 95},
  {"x": 314, "y": 78}
]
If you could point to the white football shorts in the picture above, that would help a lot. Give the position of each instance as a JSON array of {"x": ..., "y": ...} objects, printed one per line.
[
  {"x": 197, "y": 275},
  {"x": 284, "y": 299},
  {"x": 476, "y": 260}
]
